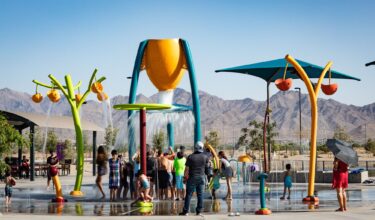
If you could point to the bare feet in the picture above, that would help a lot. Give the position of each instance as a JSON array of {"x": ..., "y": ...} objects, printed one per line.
[{"x": 339, "y": 210}]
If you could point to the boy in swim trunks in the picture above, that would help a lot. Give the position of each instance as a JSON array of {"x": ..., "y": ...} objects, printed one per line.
[
  {"x": 287, "y": 181},
  {"x": 9, "y": 183},
  {"x": 144, "y": 188}
]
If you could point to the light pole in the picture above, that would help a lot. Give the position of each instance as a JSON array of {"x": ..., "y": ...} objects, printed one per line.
[{"x": 300, "y": 118}]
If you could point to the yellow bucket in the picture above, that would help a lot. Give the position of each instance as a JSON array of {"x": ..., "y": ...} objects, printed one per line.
[{"x": 164, "y": 61}]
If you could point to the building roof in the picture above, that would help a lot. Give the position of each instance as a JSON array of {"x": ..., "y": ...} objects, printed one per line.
[{"x": 22, "y": 120}]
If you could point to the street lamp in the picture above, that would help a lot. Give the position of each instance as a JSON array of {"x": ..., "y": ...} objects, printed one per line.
[{"x": 300, "y": 118}]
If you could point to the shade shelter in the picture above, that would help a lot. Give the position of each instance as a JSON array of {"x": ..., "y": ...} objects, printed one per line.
[
  {"x": 23, "y": 120},
  {"x": 273, "y": 70}
]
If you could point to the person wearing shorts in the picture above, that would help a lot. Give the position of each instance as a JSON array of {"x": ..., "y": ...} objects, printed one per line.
[
  {"x": 179, "y": 167},
  {"x": 9, "y": 183},
  {"x": 144, "y": 187},
  {"x": 163, "y": 177},
  {"x": 114, "y": 175},
  {"x": 227, "y": 170}
]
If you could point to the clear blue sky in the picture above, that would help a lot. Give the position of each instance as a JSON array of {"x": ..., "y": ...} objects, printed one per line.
[{"x": 42, "y": 37}]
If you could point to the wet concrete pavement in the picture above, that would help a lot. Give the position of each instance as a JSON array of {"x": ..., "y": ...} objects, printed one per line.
[{"x": 33, "y": 200}]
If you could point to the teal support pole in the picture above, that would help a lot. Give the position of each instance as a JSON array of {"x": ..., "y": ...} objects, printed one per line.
[
  {"x": 194, "y": 91},
  {"x": 262, "y": 194},
  {"x": 170, "y": 131},
  {"x": 263, "y": 210},
  {"x": 133, "y": 97}
]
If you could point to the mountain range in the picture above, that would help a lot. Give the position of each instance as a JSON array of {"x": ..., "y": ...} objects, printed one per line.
[{"x": 227, "y": 117}]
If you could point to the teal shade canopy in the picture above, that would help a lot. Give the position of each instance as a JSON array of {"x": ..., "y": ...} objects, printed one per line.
[{"x": 274, "y": 69}]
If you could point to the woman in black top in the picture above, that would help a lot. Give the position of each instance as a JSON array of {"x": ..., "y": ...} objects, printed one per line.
[{"x": 101, "y": 161}]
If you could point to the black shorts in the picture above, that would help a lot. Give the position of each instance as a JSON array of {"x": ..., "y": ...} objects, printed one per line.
[
  {"x": 163, "y": 179},
  {"x": 124, "y": 183},
  {"x": 8, "y": 191}
]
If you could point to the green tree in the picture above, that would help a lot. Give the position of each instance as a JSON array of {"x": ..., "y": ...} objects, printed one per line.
[
  {"x": 68, "y": 149},
  {"x": 341, "y": 134},
  {"x": 87, "y": 147},
  {"x": 38, "y": 139},
  {"x": 110, "y": 136},
  {"x": 10, "y": 138},
  {"x": 252, "y": 136},
  {"x": 51, "y": 141},
  {"x": 158, "y": 140},
  {"x": 370, "y": 146},
  {"x": 213, "y": 139}
]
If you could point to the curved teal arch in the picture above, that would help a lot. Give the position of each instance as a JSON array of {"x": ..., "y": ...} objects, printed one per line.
[{"x": 133, "y": 93}]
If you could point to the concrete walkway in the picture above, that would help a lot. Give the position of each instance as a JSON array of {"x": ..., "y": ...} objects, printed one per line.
[{"x": 363, "y": 213}]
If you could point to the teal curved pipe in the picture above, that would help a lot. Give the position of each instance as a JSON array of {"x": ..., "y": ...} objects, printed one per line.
[
  {"x": 133, "y": 97},
  {"x": 194, "y": 91}
]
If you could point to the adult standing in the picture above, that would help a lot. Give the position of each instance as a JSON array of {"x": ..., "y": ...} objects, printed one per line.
[
  {"x": 196, "y": 165},
  {"x": 164, "y": 181},
  {"x": 123, "y": 180},
  {"x": 101, "y": 162},
  {"x": 151, "y": 171},
  {"x": 114, "y": 175},
  {"x": 25, "y": 167},
  {"x": 227, "y": 170},
  {"x": 340, "y": 182}
]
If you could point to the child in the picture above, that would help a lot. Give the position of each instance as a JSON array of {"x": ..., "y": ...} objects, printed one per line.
[
  {"x": 179, "y": 166},
  {"x": 114, "y": 175},
  {"x": 9, "y": 183},
  {"x": 215, "y": 183},
  {"x": 144, "y": 187},
  {"x": 287, "y": 181}
]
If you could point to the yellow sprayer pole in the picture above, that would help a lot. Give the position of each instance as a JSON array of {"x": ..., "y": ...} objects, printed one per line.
[
  {"x": 56, "y": 182},
  {"x": 313, "y": 92}
]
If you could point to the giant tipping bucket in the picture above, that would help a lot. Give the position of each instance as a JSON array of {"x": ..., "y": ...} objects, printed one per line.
[{"x": 165, "y": 63}]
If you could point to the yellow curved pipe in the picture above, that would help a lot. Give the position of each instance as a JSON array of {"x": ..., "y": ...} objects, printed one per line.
[
  {"x": 214, "y": 154},
  {"x": 313, "y": 94},
  {"x": 322, "y": 75},
  {"x": 56, "y": 182}
]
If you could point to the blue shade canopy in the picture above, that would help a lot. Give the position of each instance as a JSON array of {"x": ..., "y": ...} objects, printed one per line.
[{"x": 274, "y": 69}]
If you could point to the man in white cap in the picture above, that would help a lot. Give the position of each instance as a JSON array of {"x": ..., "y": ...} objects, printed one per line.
[{"x": 196, "y": 165}]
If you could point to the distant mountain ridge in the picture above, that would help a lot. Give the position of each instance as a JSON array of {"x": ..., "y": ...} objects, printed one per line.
[{"x": 225, "y": 116}]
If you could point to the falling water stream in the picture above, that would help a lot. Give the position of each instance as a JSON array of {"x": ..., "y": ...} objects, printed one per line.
[
  {"x": 107, "y": 116},
  {"x": 46, "y": 128}
]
